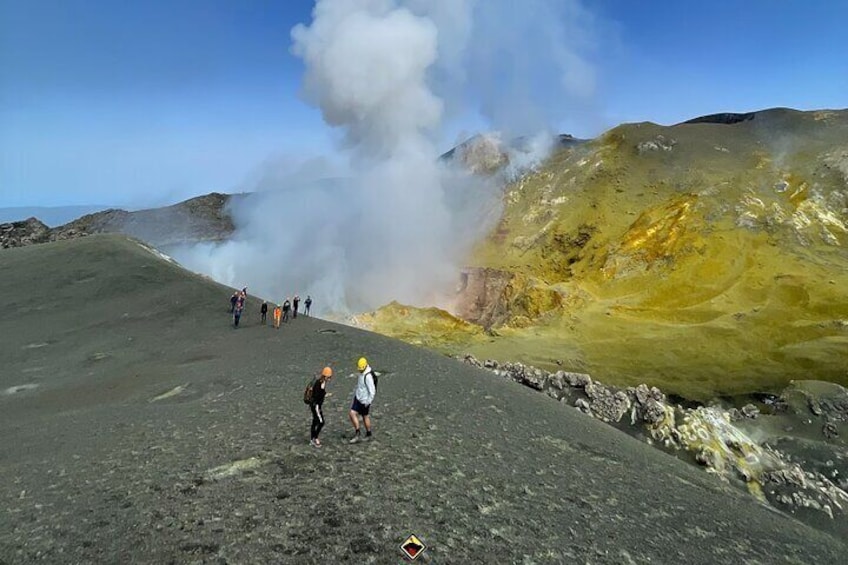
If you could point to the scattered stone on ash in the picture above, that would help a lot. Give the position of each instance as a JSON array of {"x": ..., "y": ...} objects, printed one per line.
[{"x": 829, "y": 430}]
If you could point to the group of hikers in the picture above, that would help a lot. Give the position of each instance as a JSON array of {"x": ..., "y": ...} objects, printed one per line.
[
  {"x": 281, "y": 312},
  {"x": 363, "y": 398},
  {"x": 316, "y": 391}
]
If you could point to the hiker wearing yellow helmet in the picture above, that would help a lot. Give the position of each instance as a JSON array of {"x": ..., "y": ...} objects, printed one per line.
[
  {"x": 363, "y": 397},
  {"x": 316, "y": 394}
]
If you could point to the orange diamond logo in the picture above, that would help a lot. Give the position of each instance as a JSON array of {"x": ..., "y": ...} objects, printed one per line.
[{"x": 412, "y": 547}]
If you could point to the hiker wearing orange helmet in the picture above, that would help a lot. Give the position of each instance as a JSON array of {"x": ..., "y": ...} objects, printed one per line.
[
  {"x": 363, "y": 397},
  {"x": 315, "y": 395}
]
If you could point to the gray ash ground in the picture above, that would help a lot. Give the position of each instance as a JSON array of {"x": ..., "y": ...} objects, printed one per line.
[{"x": 220, "y": 471}]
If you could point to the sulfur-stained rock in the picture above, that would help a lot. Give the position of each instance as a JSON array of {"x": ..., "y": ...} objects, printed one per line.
[
  {"x": 578, "y": 380},
  {"x": 582, "y": 405},
  {"x": 557, "y": 380},
  {"x": 653, "y": 412},
  {"x": 607, "y": 405},
  {"x": 642, "y": 393}
]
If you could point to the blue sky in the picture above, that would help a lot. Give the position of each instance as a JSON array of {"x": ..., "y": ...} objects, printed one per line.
[{"x": 145, "y": 103}]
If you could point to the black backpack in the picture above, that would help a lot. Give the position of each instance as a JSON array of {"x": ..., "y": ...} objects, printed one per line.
[
  {"x": 307, "y": 394},
  {"x": 374, "y": 377}
]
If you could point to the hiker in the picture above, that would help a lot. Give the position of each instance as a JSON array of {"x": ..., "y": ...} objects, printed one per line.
[
  {"x": 278, "y": 313},
  {"x": 233, "y": 300},
  {"x": 316, "y": 400},
  {"x": 308, "y": 304},
  {"x": 363, "y": 397},
  {"x": 295, "y": 304},
  {"x": 263, "y": 311},
  {"x": 286, "y": 308},
  {"x": 239, "y": 307}
]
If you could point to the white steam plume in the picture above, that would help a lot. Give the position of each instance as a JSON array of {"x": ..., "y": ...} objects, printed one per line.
[{"x": 396, "y": 223}]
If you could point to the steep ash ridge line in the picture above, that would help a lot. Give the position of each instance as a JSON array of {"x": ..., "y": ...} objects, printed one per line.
[{"x": 154, "y": 432}]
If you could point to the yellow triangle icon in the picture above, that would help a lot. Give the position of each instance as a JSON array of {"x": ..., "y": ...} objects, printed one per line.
[{"x": 412, "y": 547}]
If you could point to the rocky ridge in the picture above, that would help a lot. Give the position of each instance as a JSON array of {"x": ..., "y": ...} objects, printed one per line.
[
  {"x": 722, "y": 439},
  {"x": 204, "y": 218},
  {"x": 25, "y": 232}
]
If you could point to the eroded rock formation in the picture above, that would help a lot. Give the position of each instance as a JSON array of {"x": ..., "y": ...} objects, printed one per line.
[{"x": 493, "y": 297}]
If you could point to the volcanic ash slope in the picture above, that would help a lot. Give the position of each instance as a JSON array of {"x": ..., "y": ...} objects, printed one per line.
[{"x": 138, "y": 427}]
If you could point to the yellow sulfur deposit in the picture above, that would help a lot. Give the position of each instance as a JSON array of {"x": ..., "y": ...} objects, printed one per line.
[{"x": 724, "y": 449}]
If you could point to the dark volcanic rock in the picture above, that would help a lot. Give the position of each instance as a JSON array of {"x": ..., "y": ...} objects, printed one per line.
[
  {"x": 27, "y": 232},
  {"x": 205, "y": 218},
  {"x": 726, "y": 118}
]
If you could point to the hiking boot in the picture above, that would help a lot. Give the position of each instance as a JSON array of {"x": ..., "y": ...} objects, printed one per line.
[
  {"x": 315, "y": 443},
  {"x": 356, "y": 438}
]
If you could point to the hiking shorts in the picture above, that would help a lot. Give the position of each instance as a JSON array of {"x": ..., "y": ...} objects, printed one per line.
[{"x": 360, "y": 408}]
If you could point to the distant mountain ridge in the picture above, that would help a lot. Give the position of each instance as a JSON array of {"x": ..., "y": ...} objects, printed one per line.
[
  {"x": 204, "y": 218},
  {"x": 207, "y": 217},
  {"x": 50, "y": 215}
]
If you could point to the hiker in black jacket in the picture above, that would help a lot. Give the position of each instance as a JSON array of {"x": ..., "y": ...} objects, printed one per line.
[
  {"x": 319, "y": 391},
  {"x": 263, "y": 311},
  {"x": 286, "y": 309}
]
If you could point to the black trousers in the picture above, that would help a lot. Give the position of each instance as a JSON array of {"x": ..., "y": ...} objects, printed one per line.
[
  {"x": 317, "y": 420},
  {"x": 264, "y": 315}
]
